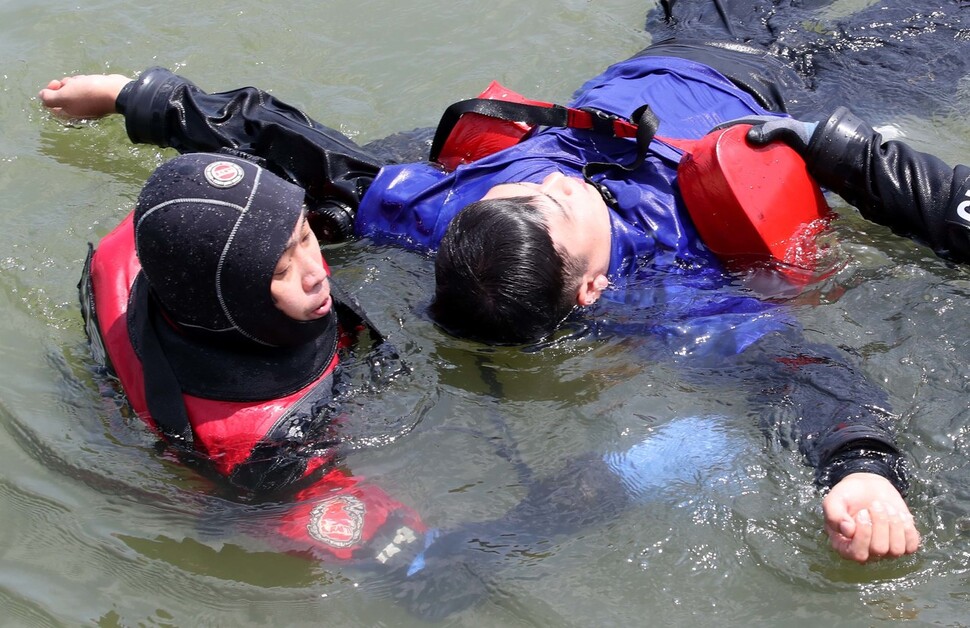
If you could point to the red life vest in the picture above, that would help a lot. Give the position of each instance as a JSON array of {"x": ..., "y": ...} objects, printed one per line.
[
  {"x": 225, "y": 431},
  {"x": 337, "y": 516}
]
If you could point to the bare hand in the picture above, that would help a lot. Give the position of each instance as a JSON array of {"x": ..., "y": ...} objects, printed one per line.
[
  {"x": 866, "y": 518},
  {"x": 83, "y": 96}
]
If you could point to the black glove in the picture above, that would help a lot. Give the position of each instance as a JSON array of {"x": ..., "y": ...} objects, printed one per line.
[
  {"x": 429, "y": 579},
  {"x": 766, "y": 129},
  {"x": 457, "y": 568},
  {"x": 915, "y": 194},
  {"x": 836, "y": 151},
  {"x": 794, "y": 133}
]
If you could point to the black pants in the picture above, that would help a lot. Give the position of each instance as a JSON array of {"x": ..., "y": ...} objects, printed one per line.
[{"x": 890, "y": 58}]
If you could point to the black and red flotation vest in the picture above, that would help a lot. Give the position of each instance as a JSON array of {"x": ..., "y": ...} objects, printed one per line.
[
  {"x": 331, "y": 513},
  {"x": 225, "y": 432}
]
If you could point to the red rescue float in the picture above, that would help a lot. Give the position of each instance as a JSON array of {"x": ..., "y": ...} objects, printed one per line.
[{"x": 753, "y": 203}]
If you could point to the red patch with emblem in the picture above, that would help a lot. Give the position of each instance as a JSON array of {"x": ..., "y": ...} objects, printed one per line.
[{"x": 338, "y": 521}]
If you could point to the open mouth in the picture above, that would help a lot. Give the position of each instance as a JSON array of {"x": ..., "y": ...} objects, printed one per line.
[{"x": 323, "y": 309}]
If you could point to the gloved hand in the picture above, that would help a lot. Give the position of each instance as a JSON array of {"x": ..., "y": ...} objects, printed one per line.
[
  {"x": 836, "y": 150},
  {"x": 455, "y": 569},
  {"x": 766, "y": 129},
  {"x": 794, "y": 133},
  {"x": 915, "y": 194}
]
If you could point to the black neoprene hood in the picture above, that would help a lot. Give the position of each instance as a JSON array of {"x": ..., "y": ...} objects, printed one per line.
[{"x": 209, "y": 230}]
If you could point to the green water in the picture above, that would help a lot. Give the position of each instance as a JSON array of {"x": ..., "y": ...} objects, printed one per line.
[{"x": 98, "y": 528}]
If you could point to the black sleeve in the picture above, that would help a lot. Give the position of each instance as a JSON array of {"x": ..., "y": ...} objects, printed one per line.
[
  {"x": 811, "y": 396},
  {"x": 459, "y": 566},
  {"x": 165, "y": 109},
  {"x": 913, "y": 193}
]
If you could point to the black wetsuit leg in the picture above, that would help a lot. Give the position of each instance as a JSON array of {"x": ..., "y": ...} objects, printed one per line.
[{"x": 889, "y": 58}]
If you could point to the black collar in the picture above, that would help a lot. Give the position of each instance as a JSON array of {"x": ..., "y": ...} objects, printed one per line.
[{"x": 222, "y": 372}]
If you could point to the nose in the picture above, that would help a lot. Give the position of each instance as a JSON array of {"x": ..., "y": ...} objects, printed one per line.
[
  {"x": 551, "y": 181},
  {"x": 313, "y": 274}
]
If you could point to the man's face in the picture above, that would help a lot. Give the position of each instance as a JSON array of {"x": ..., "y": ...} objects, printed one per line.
[
  {"x": 576, "y": 216},
  {"x": 301, "y": 288}
]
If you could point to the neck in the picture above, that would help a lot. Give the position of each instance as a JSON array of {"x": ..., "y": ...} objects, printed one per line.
[{"x": 601, "y": 235}]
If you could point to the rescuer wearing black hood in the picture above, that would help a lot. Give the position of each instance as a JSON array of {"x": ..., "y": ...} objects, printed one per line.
[{"x": 213, "y": 305}]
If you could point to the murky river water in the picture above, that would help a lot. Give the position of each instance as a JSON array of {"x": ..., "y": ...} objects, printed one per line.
[{"x": 99, "y": 528}]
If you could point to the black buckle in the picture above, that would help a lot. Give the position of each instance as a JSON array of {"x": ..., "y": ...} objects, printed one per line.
[{"x": 602, "y": 121}]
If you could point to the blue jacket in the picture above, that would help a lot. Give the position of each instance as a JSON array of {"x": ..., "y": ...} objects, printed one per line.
[
  {"x": 416, "y": 202},
  {"x": 657, "y": 258}
]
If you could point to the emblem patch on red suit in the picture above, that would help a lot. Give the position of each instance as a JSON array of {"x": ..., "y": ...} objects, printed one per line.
[{"x": 338, "y": 521}]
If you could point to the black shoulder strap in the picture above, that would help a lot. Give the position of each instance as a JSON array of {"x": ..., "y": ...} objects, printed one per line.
[
  {"x": 545, "y": 114},
  {"x": 163, "y": 394},
  {"x": 643, "y": 127},
  {"x": 647, "y": 124}
]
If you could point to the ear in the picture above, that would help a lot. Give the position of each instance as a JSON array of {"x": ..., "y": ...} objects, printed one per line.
[{"x": 591, "y": 288}]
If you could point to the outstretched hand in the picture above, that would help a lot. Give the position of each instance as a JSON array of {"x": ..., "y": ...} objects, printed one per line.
[
  {"x": 83, "y": 95},
  {"x": 866, "y": 519}
]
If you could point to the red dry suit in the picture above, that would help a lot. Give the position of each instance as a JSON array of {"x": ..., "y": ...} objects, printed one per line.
[{"x": 259, "y": 446}]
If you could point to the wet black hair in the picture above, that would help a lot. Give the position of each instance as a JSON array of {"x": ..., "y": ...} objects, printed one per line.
[{"x": 499, "y": 277}]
